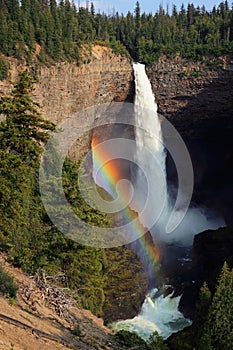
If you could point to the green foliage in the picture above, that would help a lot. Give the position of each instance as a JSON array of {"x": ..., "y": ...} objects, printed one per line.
[
  {"x": 76, "y": 331},
  {"x": 156, "y": 342},
  {"x": 60, "y": 29},
  {"x": 88, "y": 214},
  {"x": 4, "y": 68},
  {"x": 16, "y": 194},
  {"x": 24, "y": 127},
  {"x": 182, "y": 75},
  {"x": 129, "y": 340},
  {"x": 194, "y": 74},
  {"x": 123, "y": 274},
  {"x": 212, "y": 328},
  {"x": 25, "y": 230},
  {"x": 118, "y": 48},
  {"x": 221, "y": 312},
  {"x": 202, "y": 307},
  {"x": 8, "y": 287}
]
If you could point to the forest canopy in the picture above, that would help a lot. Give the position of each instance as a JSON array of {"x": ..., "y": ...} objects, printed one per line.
[{"x": 58, "y": 29}]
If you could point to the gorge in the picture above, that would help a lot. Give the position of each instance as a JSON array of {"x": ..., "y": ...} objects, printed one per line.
[
  {"x": 152, "y": 195},
  {"x": 199, "y": 133}
]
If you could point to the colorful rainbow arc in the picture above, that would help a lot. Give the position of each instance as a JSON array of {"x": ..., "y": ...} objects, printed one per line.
[{"x": 111, "y": 174}]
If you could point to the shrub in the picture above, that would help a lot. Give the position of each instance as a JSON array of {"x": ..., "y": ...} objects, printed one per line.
[
  {"x": 4, "y": 68},
  {"x": 128, "y": 339},
  {"x": 76, "y": 331},
  {"x": 8, "y": 286},
  {"x": 194, "y": 74},
  {"x": 181, "y": 75}
]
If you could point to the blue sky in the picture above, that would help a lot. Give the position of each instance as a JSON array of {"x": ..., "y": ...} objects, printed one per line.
[{"x": 122, "y": 6}]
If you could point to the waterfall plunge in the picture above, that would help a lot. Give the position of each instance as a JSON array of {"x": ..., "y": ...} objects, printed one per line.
[
  {"x": 151, "y": 198},
  {"x": 157, "y": 314}
]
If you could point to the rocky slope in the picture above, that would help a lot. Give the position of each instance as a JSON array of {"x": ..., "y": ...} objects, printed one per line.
[{"x": 31, "y": 322}]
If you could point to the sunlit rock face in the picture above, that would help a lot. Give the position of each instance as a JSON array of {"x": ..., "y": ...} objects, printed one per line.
[{"x": 64, "y": 88}]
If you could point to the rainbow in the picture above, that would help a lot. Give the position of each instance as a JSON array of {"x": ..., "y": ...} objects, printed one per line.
[{"x": 111, "y": 173}]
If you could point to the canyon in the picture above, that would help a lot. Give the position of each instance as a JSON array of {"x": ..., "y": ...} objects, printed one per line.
[{"x": 197, "y": 97}]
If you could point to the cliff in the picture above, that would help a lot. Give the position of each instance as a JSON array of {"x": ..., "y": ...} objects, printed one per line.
[
  {"x": 197, "y": 98},
  {"x": 64, "y": 88},
  {"x": 194, "y": 95},
  {"x": 210, "y": 250}
]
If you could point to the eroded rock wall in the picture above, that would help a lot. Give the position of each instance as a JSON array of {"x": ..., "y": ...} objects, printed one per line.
[
  {"x": 64, "y": 89},
  {"x": 194, "y": 95}
]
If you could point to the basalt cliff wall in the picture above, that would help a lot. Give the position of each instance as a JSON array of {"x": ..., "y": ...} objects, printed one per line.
[
  {"x": 193, "y": 94},
  {"x": 197, "y": 98}
]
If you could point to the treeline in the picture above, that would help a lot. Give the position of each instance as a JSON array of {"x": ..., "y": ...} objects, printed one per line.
[
  {"x": 57, "y": 30},
  {"x": 192, "y": 32},
  {"x": 26, "y": 232}
]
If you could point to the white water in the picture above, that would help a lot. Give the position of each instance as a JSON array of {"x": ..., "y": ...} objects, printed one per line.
[
  {"x": 151, "y": 190},
  {"x": 157, "y": 314}
]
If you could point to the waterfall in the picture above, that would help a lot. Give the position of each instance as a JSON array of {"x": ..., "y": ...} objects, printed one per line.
[
  {"x": 153, "y": 197},
  {"x": 159, "y": 313},
  {"x": 152, "y": 200},
  {"x": 151, "y": 188}
]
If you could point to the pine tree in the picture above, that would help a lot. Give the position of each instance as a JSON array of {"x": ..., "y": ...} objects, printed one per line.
[
  {"x": 221, "y": 311},
  {"x": 24, "y": 129}
]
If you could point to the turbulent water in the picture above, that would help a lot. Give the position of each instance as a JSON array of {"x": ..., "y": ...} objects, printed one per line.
[{"x": 157, "y": 314}]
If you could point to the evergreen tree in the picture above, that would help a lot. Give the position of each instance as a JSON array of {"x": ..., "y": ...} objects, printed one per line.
[
  {"x": 201, "y": 327},
  {"x": 24, "y": 128},
  {"x": 217, "y": 324},
  {"x": 221, "y": 311}
]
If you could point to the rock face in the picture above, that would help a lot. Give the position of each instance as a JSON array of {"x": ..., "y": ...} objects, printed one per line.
[
  {"x": 190, "y": 93},
  {"x": 197, "y": 98},
  {"x": 64, "y": 89},
  {"x": 210, "y": 250}
]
